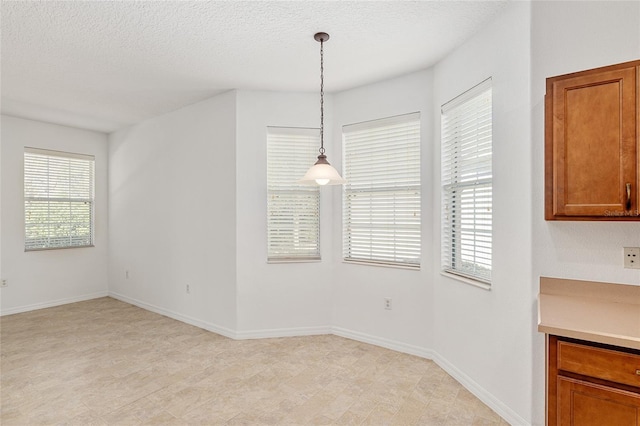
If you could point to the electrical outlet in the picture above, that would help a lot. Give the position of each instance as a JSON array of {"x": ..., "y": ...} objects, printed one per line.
[
  {"x": 387, "y": 303},
  {"x": 4, "y": 283},
  {"x": 188, "y": 289},
  {"x": 632, "y": 257}
]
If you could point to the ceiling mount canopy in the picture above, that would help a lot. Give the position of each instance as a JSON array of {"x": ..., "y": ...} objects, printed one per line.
[
  {"x": 321, "y": 37},
  {"x": 322, "y": 173}
]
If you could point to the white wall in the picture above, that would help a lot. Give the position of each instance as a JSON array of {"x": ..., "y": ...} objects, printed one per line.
[
  {"x": 359, "y": 290},
  {"x": 485, "y": 335},
  {"x": 39, "y": 279},
  {"x": 568, "y": 37},
  {"x": 172, "y": 214},
  {"x": 289, "y": 298}
]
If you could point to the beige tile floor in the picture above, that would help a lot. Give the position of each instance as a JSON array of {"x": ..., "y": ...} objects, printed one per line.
[{"x": 105, "y": 362}]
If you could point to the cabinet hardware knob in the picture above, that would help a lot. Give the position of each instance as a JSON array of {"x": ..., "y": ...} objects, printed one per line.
[
  {"x": 638, "y": 372},
  {"x": 628, "y": 205}
]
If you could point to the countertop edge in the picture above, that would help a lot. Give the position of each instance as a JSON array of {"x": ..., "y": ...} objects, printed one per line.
[{"x": 597, "y": 337}]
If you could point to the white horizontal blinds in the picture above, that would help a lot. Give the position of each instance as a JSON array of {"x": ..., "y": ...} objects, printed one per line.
[
  {"x": 58, "y": 199},
  {"x": 381, "y": 200},
  {"x": 467, "y": 184},
  {"x": 293, "y": 225}
]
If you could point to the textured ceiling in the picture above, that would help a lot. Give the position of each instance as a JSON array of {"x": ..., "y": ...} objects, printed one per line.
[{"x": 103, "y": 65}]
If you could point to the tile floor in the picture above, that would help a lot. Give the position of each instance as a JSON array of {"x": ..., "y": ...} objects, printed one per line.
[{"x": 105, "y": 362}]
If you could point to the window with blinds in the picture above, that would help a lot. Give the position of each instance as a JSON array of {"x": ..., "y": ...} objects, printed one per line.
[
  {"x": 381, "y": 199},
  {"x": 467, "y": 184},
  {"x": 293, "y": 210},
  {"x": 58, "y": 199}
]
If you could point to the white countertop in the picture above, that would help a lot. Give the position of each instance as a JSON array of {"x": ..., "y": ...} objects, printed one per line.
[{"x": 593, "y": 311}]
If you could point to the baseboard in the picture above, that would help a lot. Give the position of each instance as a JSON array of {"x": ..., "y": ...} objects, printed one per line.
[
  {"x": 224, "y": 331},
  {"x": 51, "y": 304},
  {"x": 385, "y": 343},
  {"x": 282, "y": 332},
  {"x": 481, "y": 393}
]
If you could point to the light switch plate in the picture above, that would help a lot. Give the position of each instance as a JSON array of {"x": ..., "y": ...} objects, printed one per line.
[{"x": 632, "y": 257}]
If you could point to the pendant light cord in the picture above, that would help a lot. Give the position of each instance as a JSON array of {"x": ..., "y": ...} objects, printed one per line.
[{"x": 321, "y": 97}]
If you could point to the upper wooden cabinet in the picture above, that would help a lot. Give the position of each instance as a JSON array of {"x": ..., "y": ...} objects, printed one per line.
[{"x": 592, "y": 153}]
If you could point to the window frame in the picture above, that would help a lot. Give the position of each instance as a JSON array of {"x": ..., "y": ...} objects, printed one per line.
[
  {"x": 380, "y": 184},
  {"x": 453, "y": 165},
  {"x": 285, "y": 181},
  {"x": 50, "y": 193}
]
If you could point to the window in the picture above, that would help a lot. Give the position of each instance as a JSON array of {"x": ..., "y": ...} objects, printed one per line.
[
  {"x": 293, "y": 225},
  {"x": 467, "y": 184},
  {"x": 58, "y": 199},
  {"x": 381, "y": 200}
]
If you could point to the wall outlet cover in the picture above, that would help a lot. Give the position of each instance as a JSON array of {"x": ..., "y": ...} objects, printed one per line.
[
  {"x": 632, "y": 257},
  {"x": 388, "y": 303}
]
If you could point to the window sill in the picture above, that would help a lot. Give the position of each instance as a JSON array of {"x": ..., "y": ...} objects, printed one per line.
[
  {"x": 384, "y": 265},
  {"x": 279, "y": 261},
  {"x": 466, "y": 280},
  {"x": 56, "y": 248}
]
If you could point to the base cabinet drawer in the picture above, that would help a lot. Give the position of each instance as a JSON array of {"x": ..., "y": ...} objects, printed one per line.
[
  {"x": 606, "y": 364},
  {"x": 586, "y": 404}
]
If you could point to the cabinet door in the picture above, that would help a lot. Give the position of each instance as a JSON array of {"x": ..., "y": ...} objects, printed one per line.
[
  {"x": 588, "y": 404},
  {"x": 592, "y": 144}
]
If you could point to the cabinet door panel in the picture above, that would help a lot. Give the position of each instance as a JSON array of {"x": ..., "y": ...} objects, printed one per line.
[
  {"x": 587, "y": 404},
  {"x": 594, "y": 119}
]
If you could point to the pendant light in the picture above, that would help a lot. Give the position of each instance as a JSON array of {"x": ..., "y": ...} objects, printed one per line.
[{"x": 322, "y": 173}]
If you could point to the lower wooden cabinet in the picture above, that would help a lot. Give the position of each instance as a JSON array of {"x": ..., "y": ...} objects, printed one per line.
[
  {"x": 584, "y": 403},
  {"x": 591, "y": 384}
]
